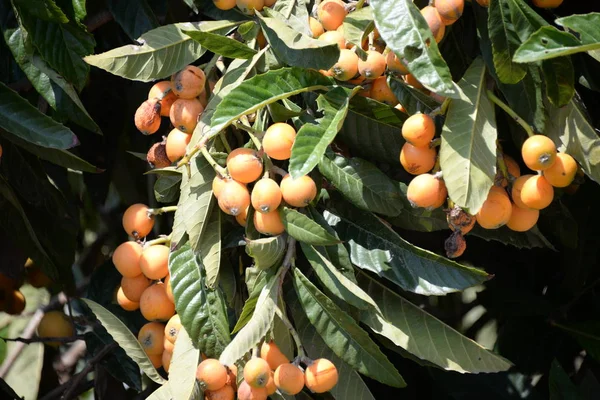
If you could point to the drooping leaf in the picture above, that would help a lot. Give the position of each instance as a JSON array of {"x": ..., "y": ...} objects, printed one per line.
[
  {"x": 363, "y": 184},
  {"x": 182, "y": 370},
  {"x": 161, "y": 52},
  {"x": 468, "y": 149},
  {"x": 423, "y": 335},
  {"x": 266, "y": 252},
  {"x": 406, "y": 32},
  {"x": 166, "y": 188},
  {"x": 20, "y": 118},
  {"x": 202, "y": 311},
  {"x": 412, "y": 100},
  {"x": 304, "y": 229},
  {"x": 377, "y": 248},
  {"x": 505, "y": 41},
  {"x": 559, "y": 78},
  {"x": 312, "y": 139},
  {"x": 256, "y": 280},
  {"x": 123, "y": 336},
  {"x": 222, "y": 45},
  {"x": 560, "y": 385},
  {"x": 210, "y": 247},
  {"x": 134, "y": 16},
  {"x": 343, "y": 335}
]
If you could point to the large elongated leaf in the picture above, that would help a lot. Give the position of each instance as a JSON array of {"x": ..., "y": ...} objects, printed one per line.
[
  {"x": 405, "y": 31},
  {"x": 355, "y": 25},
  {"x": 560, "y": 80},
  {"x": 304, "y": 229},
  {"x": 377, "y": 248},
  {"x": 468, "y": 150},
  {"x": 182, "y": 371},
  {"x": 412, "y": 100},
  {"x": 363, "y": 184},
  {"x": 123, "y": 336},
  {"x": 202, "y": 311},
  {"x": 210, "y": 247},
  {"x": 505, "y": 42},
  {"x": 160, "y": 53},
  {"x": 266, "y": 252},
  {"x": 343, "y": 335},
  {"x": 134, "y": 16},
  {"x": 294, "y": 13},
  {"x": 20, "y": 118},
  {"x": 312, "y": 139},
  {"x": 46, "y": 10},
  {"x": 423, "y": 335},
  {"x": 222, "y": 45}
]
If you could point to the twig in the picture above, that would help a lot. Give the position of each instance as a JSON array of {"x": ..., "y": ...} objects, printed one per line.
[
  {"x": 162, "y": 210},
  {"x": 218, "y": 169},
  {"x": 292, "y": 330},
  {"x": 510, "y": 112},
  {"x": 64, "y": 364},
  {"x": 57, "y": 391},
  {"x": 69, "y": 339}
]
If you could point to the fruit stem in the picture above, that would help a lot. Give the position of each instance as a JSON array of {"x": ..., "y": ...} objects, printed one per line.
[
  {"x": 160, "y": 240},
  {"x": 292, "y": 330},
  {"x": 220, "y": 170},
  {"x": 162, "y": 210},
  {"x": 254, "y": 134},
  {"x": 510, "y": 112},
  {"x": 502, "y": 165},
  {"x": 435, "y": 143},
  {"x": 360, "y": 4},
  {"x": 188, "y": 157},
  {"x": 279, "y": 171},
  {"x": 225, "y": 142}
]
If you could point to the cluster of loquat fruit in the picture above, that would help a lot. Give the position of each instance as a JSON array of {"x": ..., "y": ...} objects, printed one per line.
[
  {"x": 12, "y": 300},
  {"x": 246, "y": 6},
  {"x": 264, "y": 375}
]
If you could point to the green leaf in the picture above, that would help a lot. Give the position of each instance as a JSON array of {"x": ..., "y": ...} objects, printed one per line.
[
  {"x": 256, "y": 280},
  {"x": 266, "y": 252},
  {"x": 560, "y": 80},
  {"x": 295, "y": 14},
  {"x": 295, "y": 49},
  {"x": 134, "y": 16},
  {"x": 304, "y": 229},
  {"x": 468, "y": 150},
  {"x": 406, "y": 32},
  {"x": 256, "y": 329},
  {"x": 363, "y": 184},
  {"x": 412, "y": 100},
  {"x": 210, "y": 247},
  {"x": 505, "y": 42},
  {"x": 166, "y": 188},
  {"x": 413, "y": 329},
  {"x": 262, "y": 90},
  {"x": 336, "y": 282},
  {"x": 377, "y": 248},
  {"x": 312, "y": 139},
  {"x": 343, "y": 335},
  {"x": 123, "y": 336},
  {"x": 560, "y": 385},
  {"x": 202, "y": 311},
  {"x": 587, "y": 335},
  {"x": 161, "y": 52},
  {"x": 22, "y": 119},
  {"x": 350, "y": 384},
  {"x": 222, "y": 45},
  {"x": 531, "y": 239},
  {"x": 355, "y": 25},
  {"x": 194, "y": 203},
  {"x": 571, "y": 130},
  {"x": 46, "y": 10},
  {"x": 182, "y": 371},
  {"x": 418, "y": 219}
]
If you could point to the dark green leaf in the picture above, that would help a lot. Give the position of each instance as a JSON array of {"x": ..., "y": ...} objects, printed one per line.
[
  {"x": 356, "y": 24},
  {"x": 343, "y": 335},
  {"x": 294, "y": 13},
  {"x": 46, "y": 10},
  {"x": 548, "y": 42},
  {"x": 587, "y": 334},
  {"x": 418, "y": 219},
  {"x": 559, "y": 78},
  {"x": 166, "y": 188},
  {"x": 210, "y": 246},
  {"x": 505, "y": 42},
  {"x": 304, "y": 229},
  {"x": 412, "y": 100},
  {"x": 222, "y": 45},
  {"x": 266, "y": 252},
  {"x": 531, "y": 239},
  {"x": 134, "y": 16},
  {"x": 256, "y": 280},
  {"x": 560, "y": 385}
]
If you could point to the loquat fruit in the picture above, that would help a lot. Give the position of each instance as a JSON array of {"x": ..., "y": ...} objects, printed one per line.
[
  {"x": 381, "y": 91},
  {"x": 176, "y": 144},
  {"x": 271, "y": 387},
  {"x": 232, "y": 371},
  {"x": 419, "y": 130},
  {"x": 320, "y": 376},
  {"x": 417, "y": 160},
  {"x": 224, "y": 4},
  {"x": 185, "y": 113},
  {"x": 55, "y": 324},
  {"x": 268, "y": 223},
  {"x": 163, "y": 92},
  {"x": 147, "y": 116},
  {"x": 256, "y": 372},
  {"x": 169, "y": 288},
  {"x": 331, "y": 13},
  {"x": 188, "y": 83},
  {"x": 134, "y": 287},
  {"x": 373, "y": 67},
  {"x": 242, "y": 217},
  {"x": 166, "y": 360},
  {"x": 289, "y": 379},
  {"x": 152, "y": 336},
  {"x": 234, "y": 198},
  {"x": 522, "y": 219},
  {"x": 157, "y": 156},
  {"x": 266, "y": 195},
  {"x": 537, "y": 193},
  {"x": 269, "y": 351},
  {"x": 249, "y": 7},
  {"x": 244, "y": 165},
  {"x": 334, "y": 37},
  {"x": 496, "y": 210},
  {"x": 154, "y": 261},
  {"x": 459, "y": 220},
  {"x": 394, "y": 64},
  {"x": 538, "y": 152},
  {"x": 168, "y": 346},
  {"x": 455, "y": 245},
  {"x": 126, "y": 259},
  {"x": 434, "y": 20},
  {"x": 346, "y": 66},
  {"x": 172, "y": 328},
  {"x": 412, "y": 81},
  {"x": 547, "y": 3},
  {"x": 562, "y": 172},
  {"x": 218, "y": 183},
  {"x": 125, "y": 303},
  {"x": 516, "y": 190},
  {"x": 424, "y": 191},
  {"x": 247, "y": 392},
  {"x": 315, "y": 27},
  {"x": 155, "y": 304},
  {"x": 278, "y": 141},
  {"x": 298, "y": 192},
  {"x": 156, "y": 360},
  {"x": 225, "y": 393},
  {"x": 211, "y": 374},
  {"x": 137, "y": 222},
  {"x": 450, "y": 10}
]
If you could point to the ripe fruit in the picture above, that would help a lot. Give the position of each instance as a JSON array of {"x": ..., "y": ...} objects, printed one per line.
[
  {"x": 134, "y": 287},
  {"x": 298, "y": 192},
  {"x": 562, "y": 172},
  {"x": 418, "y": 130},
  {"x": 188, "y": 83},
  {"x": 271, "y": 387},
  {"x": 442, "y": 195},
  {"x": 455, "y": 245},
  {"x": 315, "y": 27},
  {"x": 137, "y": 222},
  {"x": 331, "y": 13},
  {"x": 127, "y": 259},
  {"x": 373, "y": 66},
  {"x": 346, "y": 66},
  {"x": 244, "y": 165},
  {"x": 547, "y": 3},
  {"x": 289, "y": 379},
  {"x": 412, "y": 81},
  {"x": 154, "y": 262},
  {"x": 176, "y": 144},
  {"x": 380, "y": 91},
  {"x": 218, "y": 183},
  {"x": 256, "y": 372},
  {"x": 224, "y": 4},
  {"x": 157, "y": 156},
  {"x": 272, "y": 355},
  {"x": 37, "y": 278},
  {"x": 166, "y": 360},
  {"x": 151, "y": 337},
  {"x": 450, "y": 10},
  {"x": 433, "y": 19},
  {"x": 155, "y": 304},
  {"x": 242, "y": 217},
  {"x": 172, "y": 328},
  {"x": 184, "y": 114},
  {"x": 417, "y": 160},
  {"x": 334, "y": 37},
  {"x": 513, "y": 169},
  {"x": 169, "y": 289},
  {"x": 278, "y": 141},
  {"x": 459, "y": 220},
  {"x": 268, "y": 223},
  {"x": 55, "y": 324},
  {"x": 225, "y": 393},
  {"x": 168, "y": 346},
  {"x": 247, "y": 392},
  {"x": 522, "y": 219},
  {"x": 266, "y": 195},
  {"x": 125, "y": 303},
  {"x": 424, "y": 191},
  {"x": 394, "y": 64},
  {"x": 13, "y": 302},
  {"x": 516, "y": 190},
  {"x": 211, "y": 374},
  {"x": 539, "y": 152},
  {"x": 321, "y": 376},
  {"x": 537, "y": 193},
  {"x": 496, "y": 210},
  {"x": 232, "y": 376},
  {"x": 250, "y": 6},
  {"x": 147, "y": 116},
  {"x": 234, "y": 198},
  {"x": 163, "y": 92},
  {"x": 156, "y": 360}
]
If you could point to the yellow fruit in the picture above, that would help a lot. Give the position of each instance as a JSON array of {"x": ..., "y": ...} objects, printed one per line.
[
  {"x": 433, "y": 19},
  {"x": 424, "y": 191},
  {"x": 147, "y": 116},
  {"x": 137, "y": 222},
  {"x": 234, "y": 198},
  {"x": 346, "y": 67},
  {"x": 188, "y": 83},
  {"x": 496, "y": 209},
  {"x": 249, "y": 7},
  {"x": 162, "y": 91},
  {"x": 417, "y": 160},
  {"x": 331, "y": 13},
  {"x": 298, "y": 192},
  {"x": 315, "y": 27},
  {"x": 394, "y": 64},
  {"x": 321, "y": 376},
  {"x": 256, "y": 372},
  {"x": 266, "y": 195},
  {"x": 278, "y": 141},
  {"x": 176, "y": 144},
  {"x": 373, "y": 67},
  {"x": 151, "y": 337},
  {"x": 155, "y": 304},
  {"x": 244, "y": 165},
  {"x": 537, "y": 193},
  {"x": 521, "y": 219},
  {"x": 55, "y": 324},
  {"x": 268, "y": 223},
  {"x": 125, "y": 303},
  {"x": 154, "y": 262},
  {"x": 539, "y": 152},
  {"x": 562, "y": 172},
  {"x": 289, "y": 379},
  {"x": 381, "y": 91},
  {"x": 419, "y": 130},
  {"x": 184, "y": 114},
  {"x": 211, "y": 374},
  {"x": 172, "y": 328},
  {"x": 334, "y": 37},
  {"x": 272, "y": 355},
  {"x": 224, "y": 4},
  {"x": 126, "y": 259},
  {"x": 450, "y": 10},
  {"x": 134, "y": 287}
]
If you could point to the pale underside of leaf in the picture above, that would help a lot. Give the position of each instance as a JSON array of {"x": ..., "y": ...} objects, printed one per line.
[{"x": 182, "y": 371}]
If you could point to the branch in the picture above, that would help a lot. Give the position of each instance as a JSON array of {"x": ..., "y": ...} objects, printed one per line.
[{"x": 68, "y": 339}]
